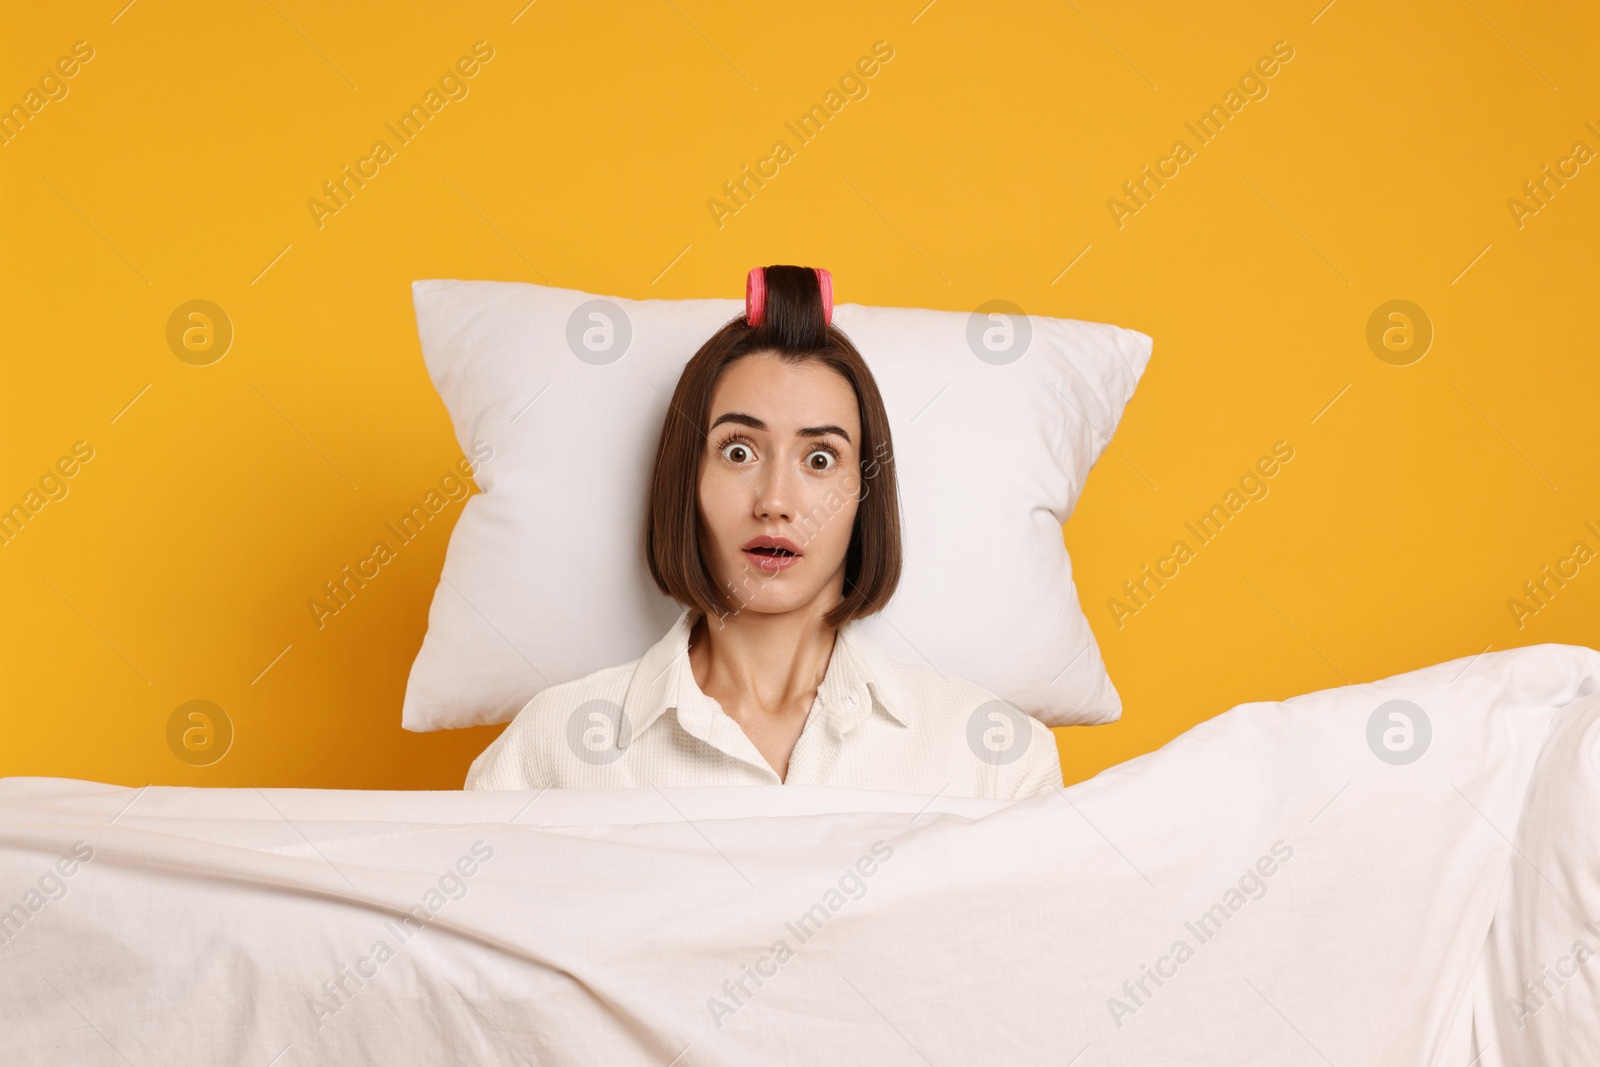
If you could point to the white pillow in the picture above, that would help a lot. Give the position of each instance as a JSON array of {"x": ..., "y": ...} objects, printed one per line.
[{"x": 997, "y": 417}]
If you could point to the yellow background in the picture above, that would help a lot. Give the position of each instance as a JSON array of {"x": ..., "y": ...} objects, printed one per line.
[{"x": 979, "y": 167}]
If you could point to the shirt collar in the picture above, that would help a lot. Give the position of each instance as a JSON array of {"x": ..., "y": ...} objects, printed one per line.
[{"x": 858, "y": 679}]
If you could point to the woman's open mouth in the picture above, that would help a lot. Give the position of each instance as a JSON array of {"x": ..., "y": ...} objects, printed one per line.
[{"x": 772, "y": 554}]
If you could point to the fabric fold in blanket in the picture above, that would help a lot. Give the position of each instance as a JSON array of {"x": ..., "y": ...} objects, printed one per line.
[{"x": 1272, "y": 887}]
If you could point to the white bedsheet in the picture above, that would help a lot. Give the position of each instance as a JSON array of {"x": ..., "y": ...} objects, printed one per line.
[{"x": 242, "y": 926}]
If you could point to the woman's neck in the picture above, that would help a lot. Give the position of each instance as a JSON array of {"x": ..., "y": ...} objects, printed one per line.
[{"x": 763, "y": 662}]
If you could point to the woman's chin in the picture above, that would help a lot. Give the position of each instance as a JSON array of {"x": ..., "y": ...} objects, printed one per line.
[
  {"x": 756, "y": 588},
  {"x": 777, "y": 597},
  {"x": 759, "y": 575}
]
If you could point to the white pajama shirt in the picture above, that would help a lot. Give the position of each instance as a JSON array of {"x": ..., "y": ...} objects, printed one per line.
[{"x": 876, "y": 723}]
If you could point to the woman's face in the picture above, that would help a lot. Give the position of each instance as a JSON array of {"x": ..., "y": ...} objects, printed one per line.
[{"x": 779, "y": 482}]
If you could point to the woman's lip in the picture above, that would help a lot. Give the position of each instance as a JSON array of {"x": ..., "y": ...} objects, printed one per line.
[
  {"x": 771, "y": 564},
  {"x": 772, "y": 542}
]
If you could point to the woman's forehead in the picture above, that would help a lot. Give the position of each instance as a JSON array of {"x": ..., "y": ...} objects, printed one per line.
[{"x": 786, "y": 395}]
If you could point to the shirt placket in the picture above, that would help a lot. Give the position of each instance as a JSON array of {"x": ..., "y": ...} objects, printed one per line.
[
  {"x": 703, "y": 718},
  {"x": 818, "y": 748}
]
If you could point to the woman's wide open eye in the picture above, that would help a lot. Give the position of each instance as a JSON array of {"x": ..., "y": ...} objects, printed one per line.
[
  {"x": 737, "y": 450},
  {"x": 822, "y": 459}
]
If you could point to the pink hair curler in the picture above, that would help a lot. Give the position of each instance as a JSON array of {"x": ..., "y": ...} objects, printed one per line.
[
  {"x": 825, "y": 283},
  {"x": 755, "y": 294}
]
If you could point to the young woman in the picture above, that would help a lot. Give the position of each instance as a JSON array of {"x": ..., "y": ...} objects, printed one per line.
[{"x": 774, "y": 519}]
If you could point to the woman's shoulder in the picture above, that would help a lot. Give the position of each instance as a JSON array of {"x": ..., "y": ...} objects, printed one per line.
[
  {"x": 559, "y": 701},
  {"x": 1007, "y": 752},
  {"x": 935, "y": 697},
  {"x": 922, "y": 686},
  {"x": 522, "y": 756},
  {"x": 564, "y": 718}
]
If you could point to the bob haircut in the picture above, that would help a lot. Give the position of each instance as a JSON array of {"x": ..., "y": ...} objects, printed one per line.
[{"x": 794, "y": 328}]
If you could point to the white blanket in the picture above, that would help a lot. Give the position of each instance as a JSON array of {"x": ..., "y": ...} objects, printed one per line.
[{"x": 1263, "y": 890}]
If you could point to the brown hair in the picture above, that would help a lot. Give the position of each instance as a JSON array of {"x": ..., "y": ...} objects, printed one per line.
[{"x": 795, "y": 328}]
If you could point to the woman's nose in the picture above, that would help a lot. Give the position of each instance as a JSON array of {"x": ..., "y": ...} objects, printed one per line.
[{"x": 773, "y": 494}]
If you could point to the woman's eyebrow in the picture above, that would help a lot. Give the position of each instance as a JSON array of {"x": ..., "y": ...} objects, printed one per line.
[
  {"x": 756, "y": 424},
  {"x": 739, "y": 417}
]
